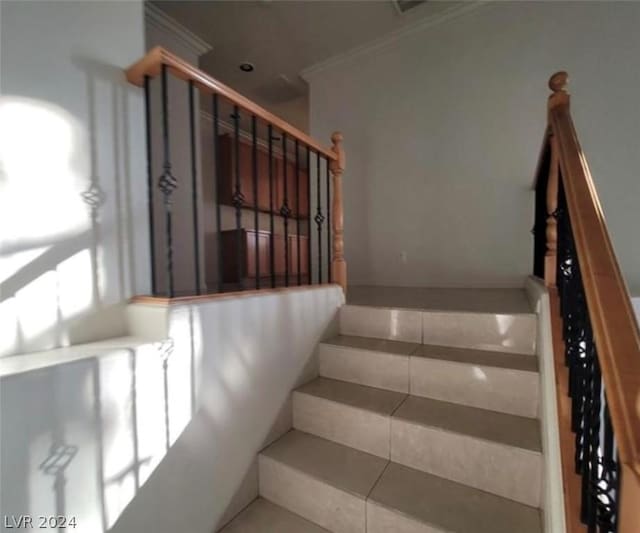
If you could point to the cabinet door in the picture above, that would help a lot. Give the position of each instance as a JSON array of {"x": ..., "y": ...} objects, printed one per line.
[
  {"x": 263, "y": 181},
  {"x": 262, "y": 253},
  {"x": 293, "y": 256},
  {"x": 227, "y": 154},
  {"x": 303, "y": 193}
]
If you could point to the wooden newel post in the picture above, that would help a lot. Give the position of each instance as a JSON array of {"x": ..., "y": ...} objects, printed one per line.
[
  {"x": 338, "y": 264},
  {"x": 559, "y": 98}
]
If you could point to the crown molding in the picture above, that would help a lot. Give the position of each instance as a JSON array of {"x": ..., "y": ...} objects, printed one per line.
[
  {"x": 449, "y": 14},
  {"x": 156, "y": 17}
]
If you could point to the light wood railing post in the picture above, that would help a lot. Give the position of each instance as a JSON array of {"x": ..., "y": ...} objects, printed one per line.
[
  {"x": 559, "y": 97},
  {"x": 338, "y": 264}
]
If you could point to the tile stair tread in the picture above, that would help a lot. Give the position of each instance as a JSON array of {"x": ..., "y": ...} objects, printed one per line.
[
  {"x": 514, "y": 361},
  {"x": 451, "y": 506},
  {"x": 373, "y": 344},
  {"x": 262, "y": 516},
  {"x": 510, "y": 430},
  {"x": 342, "y": 467},
  {"x": 383, "y": 402}
]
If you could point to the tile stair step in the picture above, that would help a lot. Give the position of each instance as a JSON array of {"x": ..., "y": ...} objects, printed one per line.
[
  {"x": 495, "y": 452},
  {"x": 322, "y": 481},
  {"x": 262, "y": 516},
  {"x": 350, "y": 414},
  {"x": 499, "y": 381}
]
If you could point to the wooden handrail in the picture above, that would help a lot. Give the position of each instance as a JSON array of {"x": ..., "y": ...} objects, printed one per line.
[
  {"x": 151, "y": 64},
  {"x": 615, "y": 329}
]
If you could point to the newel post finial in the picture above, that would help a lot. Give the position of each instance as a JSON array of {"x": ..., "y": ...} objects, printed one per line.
[
  {"x": 558, "y": 84},
  {"x": 337, "y": 165}
]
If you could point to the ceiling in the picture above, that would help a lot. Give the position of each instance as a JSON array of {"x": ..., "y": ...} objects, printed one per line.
[{"x": 281, "y": 38}]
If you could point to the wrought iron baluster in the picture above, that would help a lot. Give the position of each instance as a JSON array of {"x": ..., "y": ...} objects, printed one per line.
[
  {"x": 285, "y": 211},
  {"x": 167, "y": 183},
  {"x": 309, "y": 267},
  {"x": 319, "y": 218},
  {"x": 326, "y": 161},
  {"x": 595, "y": 454},
  {"x": 152, "y": 233},
  {"x": 218, "y": 187},
  {"x": 272, "y": 255},
  {"x": 254, "y": 172},
  {"x": 194, "y": 186},
  {"x": 298, "y": 215},
  {"x": 238, "y": 198}
]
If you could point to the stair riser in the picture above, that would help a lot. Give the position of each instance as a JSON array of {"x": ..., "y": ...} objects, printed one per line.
[
  {"x": 498, "y": 389},
  {"x": 357, "y": 428},
  {"x": 503, "y": 470},
  {"x": 381, "y": 323},
  {"x": 383, "y": 520},
  {"x": 365, "y": 367},
  {"x": 482, "y": 331},
  {"x": 331, "y": 508}
]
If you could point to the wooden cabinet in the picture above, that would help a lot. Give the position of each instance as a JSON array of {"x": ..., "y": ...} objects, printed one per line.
[
  {"x": 296, "y": 183},
  {"x": 248, "y": 254}
]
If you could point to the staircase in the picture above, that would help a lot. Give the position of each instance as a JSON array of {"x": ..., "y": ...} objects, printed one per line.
[{"x": 420, "y": 421}]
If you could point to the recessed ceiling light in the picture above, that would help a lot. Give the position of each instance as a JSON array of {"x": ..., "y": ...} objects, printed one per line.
[{"x": 246, "y": 67}]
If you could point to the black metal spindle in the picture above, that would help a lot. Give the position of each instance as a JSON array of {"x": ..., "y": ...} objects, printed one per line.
[
  {"x": 254, "y": 172},
  {"x": 194, "y": 186},
  {"x": 284, "y": 210},
  {"x": 298, "y": 216},
  {"x": 152, "y": 234},
  {"x": 272, "y": 255},
  {"x": 309, "y": 269},
  {"x": 167, "y": 183},
  {"x": 328, "y": 221},
  {"x": 319, "y": 218},
  {"x": 237, "y": 198},
  {"x": 595, "y": 456},
  {"x": 218, "y": 179}
]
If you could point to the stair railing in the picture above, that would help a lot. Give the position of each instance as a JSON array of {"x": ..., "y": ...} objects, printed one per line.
[
  {"x": 263, "y": 169},
  {"x": 595, "y": 335}
]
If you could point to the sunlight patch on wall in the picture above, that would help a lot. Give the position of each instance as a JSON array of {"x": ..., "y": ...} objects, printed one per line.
[
  {"x": 44, "y": 163},
  {"x": 40, "y": 152}
]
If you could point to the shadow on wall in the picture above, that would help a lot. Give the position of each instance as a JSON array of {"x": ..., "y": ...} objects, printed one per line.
[
  {"x": 68, "y": 245},
  {"x": 79, "y": 439},
  {"x": 156, "y": 437}
]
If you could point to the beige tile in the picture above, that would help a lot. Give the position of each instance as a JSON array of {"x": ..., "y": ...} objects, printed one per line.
[
  {"x": 513, "y": 361},
  {"x": 263, "y": 516},
  {"x": 380, "y": 401},
  {"x": 483, "y": 424},
  {"x": 373, "y": 344},
  {"x": 392, "y": 324},
  {"x": 482, "y": 331},
  {"x": 466, "y": 300},
  {"x": 488, "y": 387},
  {"x": 365, "y": 367},
  {"x": 507, "y": 471},
  {"x": 342, "y": 467},
  {"x": 360, "y": 429},
  {"x": 309, "y": 497},
  {"x": 408, "y": 501},
  {"x": 349, "y": 414}
]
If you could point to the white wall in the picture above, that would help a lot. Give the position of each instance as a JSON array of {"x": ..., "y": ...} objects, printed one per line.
[
  {"x": 69, "y": 119},
  {"x": 442, "y": 131},
  {"x": 145, "y": 456},
  {"x": 248, "y": 354}
]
